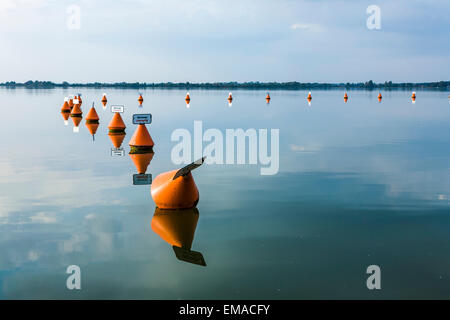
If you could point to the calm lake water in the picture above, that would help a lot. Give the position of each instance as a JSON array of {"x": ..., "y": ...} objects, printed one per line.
[{"x": 359, "y": 183}]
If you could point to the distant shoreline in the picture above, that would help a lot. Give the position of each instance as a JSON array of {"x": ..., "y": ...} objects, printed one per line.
[{"x": 369, "y": 85}]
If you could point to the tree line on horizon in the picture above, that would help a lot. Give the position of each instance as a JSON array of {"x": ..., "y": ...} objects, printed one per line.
[{"x": 294, "y": 85}]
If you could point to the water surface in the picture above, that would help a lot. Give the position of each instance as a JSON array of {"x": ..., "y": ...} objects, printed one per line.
[{"x": 359, "y": 183}]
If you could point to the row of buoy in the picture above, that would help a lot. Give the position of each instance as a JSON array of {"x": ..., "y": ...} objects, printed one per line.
[{"x": 174, "y": 192}]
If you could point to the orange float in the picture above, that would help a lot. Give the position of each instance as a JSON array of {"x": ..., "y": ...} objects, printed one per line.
[
  {"x": 177, "y": 227},
  {"x": 65, "y": 108},
  {"x": 71, "y": 102},
  {"x": 116, "y": 124},
  {"x": 230, "y": 99},
  {"x": 141, "y": 141},
  {"x": 76, "y": 111},
  {"x": 176, "y": 189},
  {"x": 268, "y": 98},
  {"x": 379, "y": 97},
  {"x": 413, "y": 97},
  {"x": 92, "y": 116},
  {"x": 117, "y": 138},
  {"x": 79, "y": 99},
  {"x": 104, "y": 100},
  {"x": 345, "y": 97},
  {"x": 141, "y": 161},
  {"x": 140, "y": 99},
  {"x": 187, "y": 99}
]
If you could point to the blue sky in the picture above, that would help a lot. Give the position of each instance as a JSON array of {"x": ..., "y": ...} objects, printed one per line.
[{"x": 207, "y": 41}]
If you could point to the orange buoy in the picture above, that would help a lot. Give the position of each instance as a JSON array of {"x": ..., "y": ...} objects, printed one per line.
[
  {"x": 71, "y": 102},
  {"x": 117, "y": 138},
  {"x": 413, "y": 97},
  {"x": 65, "y": 116},
  {"x": 379, "y": 97},
  {"x": 141, "y": 161},
  {"x": 140, "y": 99},
  {"x": 76, "y": 122},
  {"x": 230, "y": 99},
  {"x": 104, "y": 100},
  {"x": 141, "y": 141},
  {"x": 176, "y": 189},
  {"x": 116, "y": 124},
  {"x": 92, "y": 127},
  {"x": 65, "y": 108},
  {"x": 92, "y": 116},
  {"x": 309, "y": 98},
  {"x": 345, "y": 97},
  {"x": 177, "y": 227},
  {"x": 79, "y": 99},
  {"x": 76, "y": 111},
  {"x": 187, "y": 99},
  {"x": 268, "y": 98}
]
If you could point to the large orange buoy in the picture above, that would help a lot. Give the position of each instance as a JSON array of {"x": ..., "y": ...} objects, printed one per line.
[
  {"x": 176, "y": 189},
  {"x": 268, "y": 98},
  {"x": 76, "y": 122},
  {"x": 76, "y": 111},
  {"x": 65, "y": 107},
  {"x": 177, "y": 227},
  {"x": 379, "y": 97},
  {"x": 345, "y": 97},
  {"x": 92, "y": 116},
  {"x": 141, "y": 161},
  {"x": 141, "y": 141},
  {"x": 117, "y": 138},
  {"x": 116, "y": 124},
  {"x": 65, "y": 116}
]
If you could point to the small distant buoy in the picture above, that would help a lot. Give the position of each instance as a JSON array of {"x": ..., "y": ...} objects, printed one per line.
[
  {"x": 141, "y": 161},
  {"x": 176, "y": 189},
  {"x": 117, "y": 138},
  {"x": 66, "y": 108},
  {"x": 379, "y": 97},
  {"x": 76, "y": 111},
  {"x": 413, "y": 97},
  {"x": 116, "y": 124},
  {"x": 71, "y": 102},
  {"x": 140, "y": 99},
  {"x": 268, "y": 98},
  {"x": 141, "y": 141},
  {"x": 79, "y": 99},
  {"x": 187, "y": 99},
  {"x": 104, "y": 100},
  {"x": 345, "y": 97}
]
